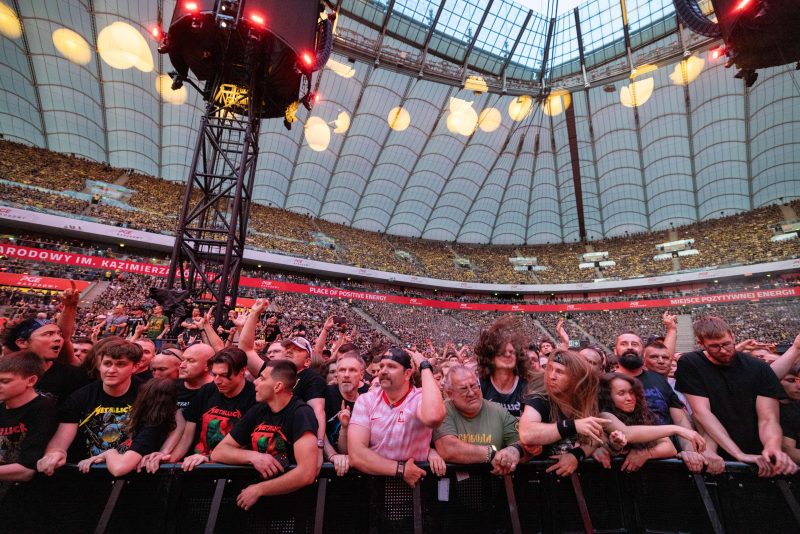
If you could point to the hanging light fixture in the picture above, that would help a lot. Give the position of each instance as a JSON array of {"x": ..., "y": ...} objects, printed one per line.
[
  {"x": 520, "y": 107},
  {"x": 462, "y": 119},
  {"x": 398, "y": 119},
  {"x": 317, "y": 133},
  {"x": 72, "y": 46},
  {"x": 687, "y": 70},
  {"x": 489, "y": 120},
  {"x": 556, "y": 103}
]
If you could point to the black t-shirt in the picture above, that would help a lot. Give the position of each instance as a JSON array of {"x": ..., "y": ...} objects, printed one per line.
[
  {"x": 659, "y": 395},
  {"x": 333, "y": 404},
  {"x": 510, "y": 401},
  {"x": 541, "y": 404},
  {"x": 25, "y": 431},
  {"x": 263, "y": 431},
  {"x": 790, "y": 420},
  {"x": 310, "y": 385},
  {"x": 185, "y": 395},
  {"x": 61, "y": 380},
  {"x": 100, "y": 417},
  {"x": 215, "y": 414},
  {"x": 731, "y": 391},
  {"x": 271, "y": 332},
  {"x": 148, "y": 439}
]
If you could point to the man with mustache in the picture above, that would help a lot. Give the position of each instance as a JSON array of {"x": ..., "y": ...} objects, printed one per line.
[
  {"x": 339, "y": 401},
  {"x": 660, "y": 397},
  {"x": 391, "y": 427}
]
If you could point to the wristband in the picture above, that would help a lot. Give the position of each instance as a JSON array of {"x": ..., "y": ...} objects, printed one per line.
[
  {"x": 566, "y": 428},
  {"x": 425, "y": 365},
  {"x": 401, "y": 469},
  {"x": 578, "y": 453},
  {"x": 519, "y": 448}
]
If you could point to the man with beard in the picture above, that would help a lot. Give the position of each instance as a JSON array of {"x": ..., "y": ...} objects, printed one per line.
[
  {"x": 661, "y": 399},
  {"x": 339, "y": 401},
  {"x": 734, "y": 396},
  {"x": 391, "y": 427}
]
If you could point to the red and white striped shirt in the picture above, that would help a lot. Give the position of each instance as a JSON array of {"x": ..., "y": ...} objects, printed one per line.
[{"x": 395, "y": 431}]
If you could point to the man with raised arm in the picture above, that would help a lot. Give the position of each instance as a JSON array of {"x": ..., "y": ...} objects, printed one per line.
[
  {"x": 391, "y": 427},
  {"x": 734, "y": 397},
  {"x": 279, "y": 431},
  {"x": 310, "y": 386}
]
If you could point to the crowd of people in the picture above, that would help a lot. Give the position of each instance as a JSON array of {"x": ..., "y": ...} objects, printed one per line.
[
  {"x": 302, "y": 235},
  {"x": 297, "y": 381}
]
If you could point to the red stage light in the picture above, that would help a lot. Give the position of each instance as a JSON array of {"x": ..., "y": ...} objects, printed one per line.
[
  {"x": 156, "y": 32},
  {"x": 717, "y": 53},
  {"x": 258, "y": 19},
  {"x": 190, "y": 6},
  {"x": 307, "y": 59},
  {"x": 741, "y": 5},
  {"x": 317, "y": 98}
]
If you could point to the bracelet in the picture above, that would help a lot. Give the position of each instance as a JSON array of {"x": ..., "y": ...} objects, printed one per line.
[
  {"x": 401, "y": 469},
  {"x": 519, "y": 448},
  {"x": 578, "y": 453},
  {"x": 566, "y": 428}
]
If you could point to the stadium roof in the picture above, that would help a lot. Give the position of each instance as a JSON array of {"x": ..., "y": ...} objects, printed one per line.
[{"x": 398, "y": 144}]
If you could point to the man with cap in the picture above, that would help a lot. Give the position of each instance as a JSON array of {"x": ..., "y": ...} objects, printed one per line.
[
  {"x": 310, "y": 385},
  {"x": 391, "y": 427}
]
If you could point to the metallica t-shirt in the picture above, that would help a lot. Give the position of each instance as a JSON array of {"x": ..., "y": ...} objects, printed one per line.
[
  {"x": 100, "y": 418},
  {"x": 25, "y": 431},
  {"x": 261, "y": 430},
  {"x": 215, "y": 414}
]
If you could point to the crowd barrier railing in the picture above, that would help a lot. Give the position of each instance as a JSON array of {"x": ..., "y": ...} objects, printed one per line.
[{"x": 662, "y": 497}]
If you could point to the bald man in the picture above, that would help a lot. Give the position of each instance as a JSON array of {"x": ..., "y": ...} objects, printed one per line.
[{"x": 193, "y": 372}]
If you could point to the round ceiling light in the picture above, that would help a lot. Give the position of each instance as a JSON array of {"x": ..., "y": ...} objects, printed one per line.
[
  {"x": 164, "y": 88},
  {"x": 318, "y": 135},
  {"x": 687, "y": 70},
  {"x": 342, "y": 122},
  {"x": 72, "y": 46},
  {"x": 9, "y": 23},
  {"x": 462, "y": 118},
  {"x": 520, "y": 107},
  {"x": 489, "y": 120},
  {"x": 121, "y": 46},
  {"x": 556, "y": 103},
  {"x": 398, "y": 119}
]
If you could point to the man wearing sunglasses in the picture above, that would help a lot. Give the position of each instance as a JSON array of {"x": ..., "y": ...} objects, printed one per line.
[{"x": 734, "y": 397}]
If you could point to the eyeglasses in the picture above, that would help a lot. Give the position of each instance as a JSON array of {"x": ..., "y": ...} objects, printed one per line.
[
  {"x": 464, "y": 390},
  {"x": 716, "y": 348}
]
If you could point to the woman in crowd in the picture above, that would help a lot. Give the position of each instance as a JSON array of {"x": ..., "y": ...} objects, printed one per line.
[{"x": 632, "y": 430}]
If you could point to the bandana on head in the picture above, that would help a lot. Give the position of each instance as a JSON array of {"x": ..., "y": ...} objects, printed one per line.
[{"x": 28, "y": 327}]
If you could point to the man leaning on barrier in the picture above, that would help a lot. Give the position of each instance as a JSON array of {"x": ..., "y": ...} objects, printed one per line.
[
  {"x": 475, "y": 430},
  {"x": 391, "y": 427},
  {"x": 734, "y": 397},
  {"x": 279, "y": 431}
]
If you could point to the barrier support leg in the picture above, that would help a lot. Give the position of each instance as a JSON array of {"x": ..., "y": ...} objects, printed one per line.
[
  {"x": 216, "y": 501},
  {"x": 578, "y": 489},
  {"x": 319, "y": 511},
  {"x": 508, "y": 482},
  {"x": 111, "y": 503},
  {"x": 417, "y": 508},
  {"x": 790, "y": 499},
  {"x": 711, "y": 510}
]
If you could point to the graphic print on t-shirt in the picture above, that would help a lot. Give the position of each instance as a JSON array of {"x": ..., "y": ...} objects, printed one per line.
[
  {"x": 103, "y": 428},
  {"x": 271, "y": 440},
  {"x": 11, "y": 438},
  {"x": 216, "y": 424}
]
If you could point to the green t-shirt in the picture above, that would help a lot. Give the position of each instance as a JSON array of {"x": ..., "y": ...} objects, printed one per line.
[
  {"x": 155, "y": 325},
  {"x": 492, "y": 426}
]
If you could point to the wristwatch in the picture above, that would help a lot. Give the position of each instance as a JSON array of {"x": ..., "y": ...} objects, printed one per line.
[
  {"x": 491, "y": 450},
  {"x": 401, "y": 469},
  {"x": 320, "y": 444},
  {"x": 425, "y": 365}
]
